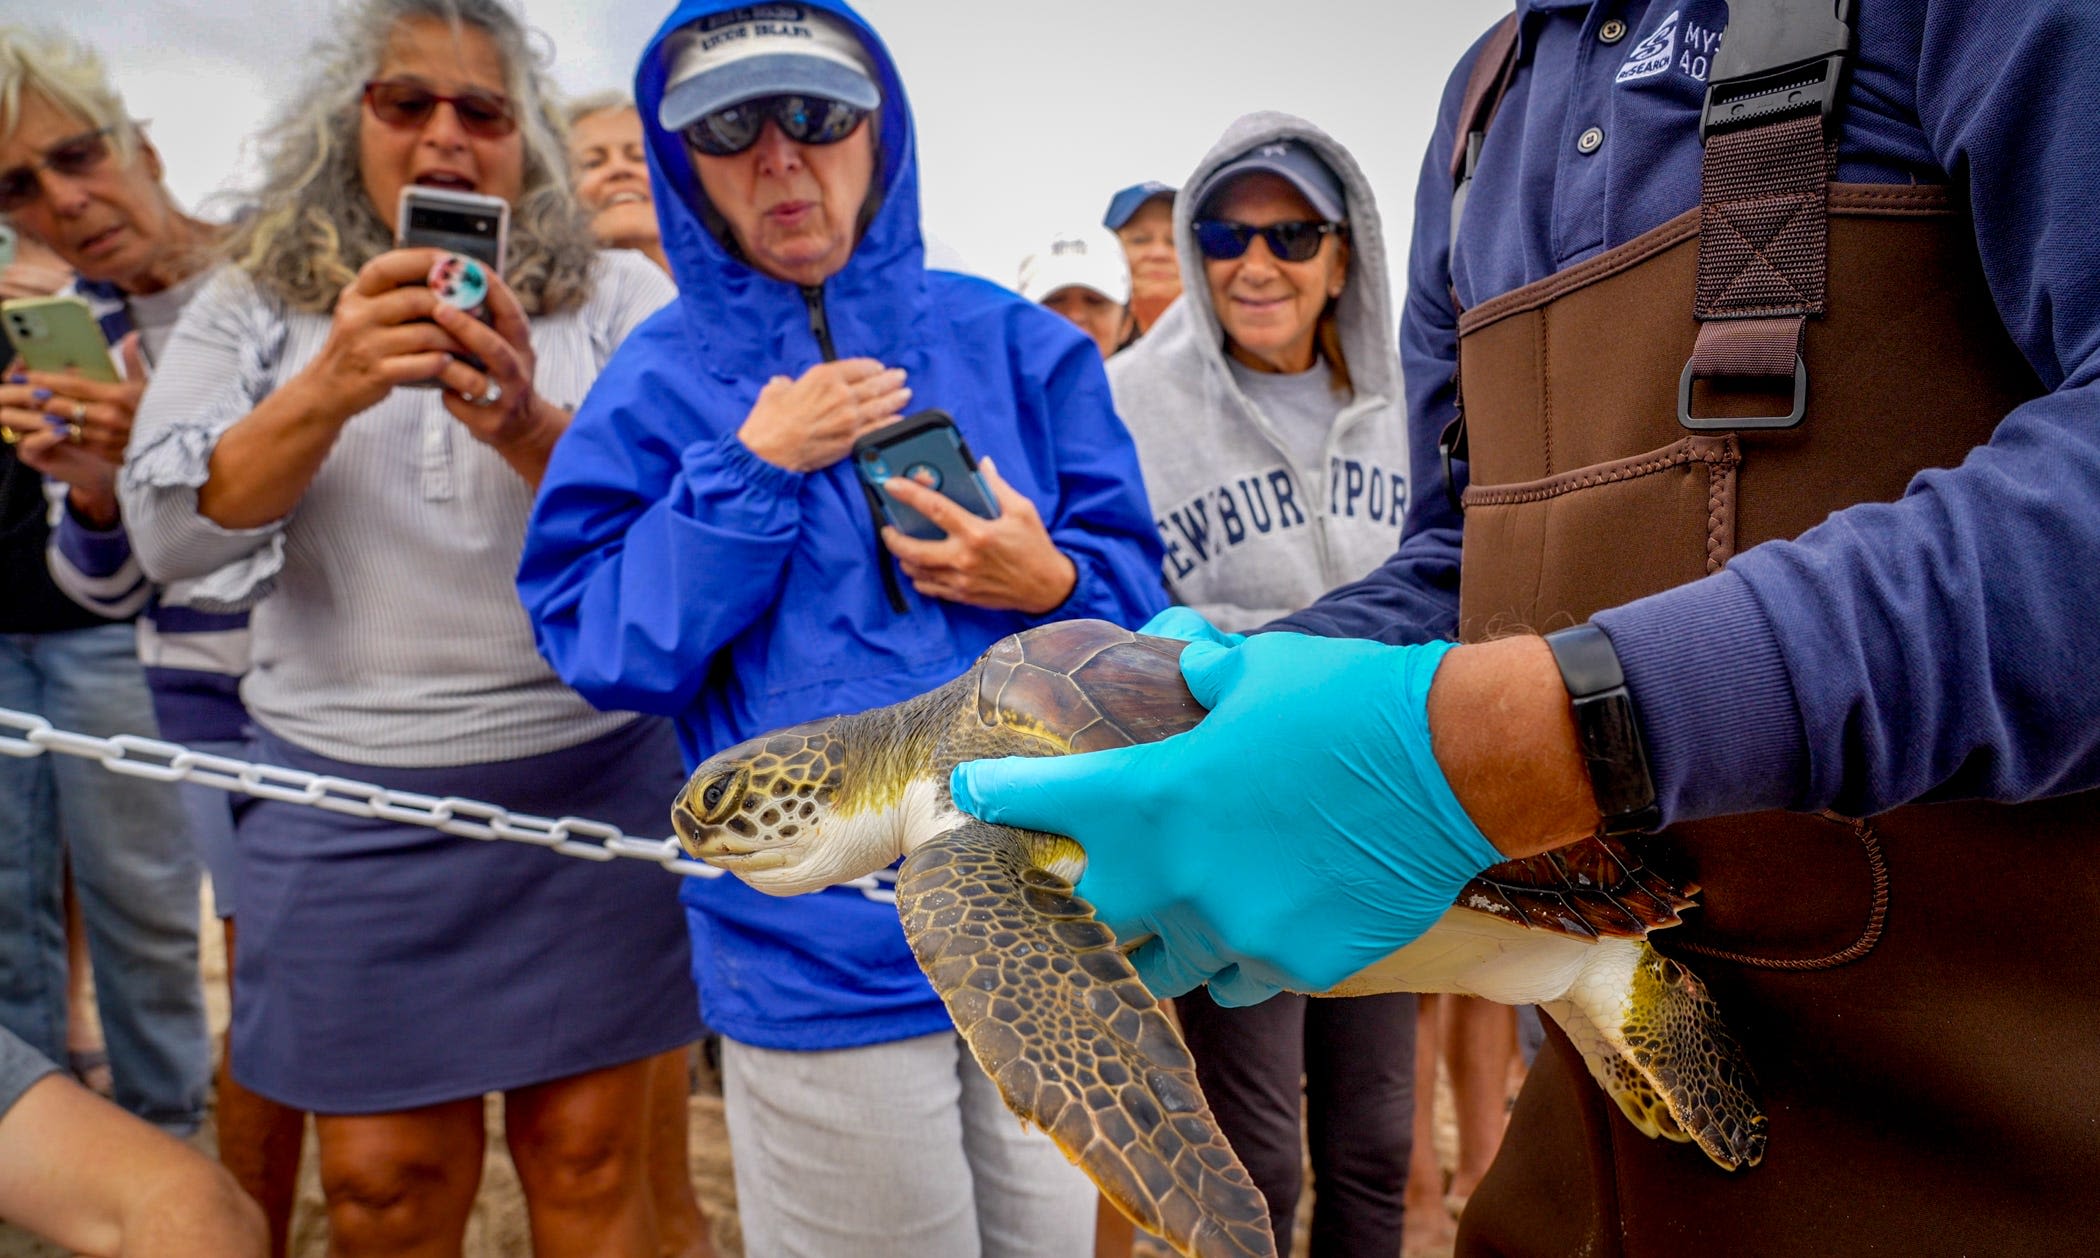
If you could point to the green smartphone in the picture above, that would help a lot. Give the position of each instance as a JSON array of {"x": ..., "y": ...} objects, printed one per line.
[{"x": 58, "y": 334}]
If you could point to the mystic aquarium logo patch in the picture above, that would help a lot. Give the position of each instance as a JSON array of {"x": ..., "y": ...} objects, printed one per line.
[{"x": 1686, "y": 46}]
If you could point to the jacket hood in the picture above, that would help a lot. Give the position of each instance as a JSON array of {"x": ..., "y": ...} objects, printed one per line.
[
  {"x": 744, "y": 320},
  {"x": 1364, "y": 308}
]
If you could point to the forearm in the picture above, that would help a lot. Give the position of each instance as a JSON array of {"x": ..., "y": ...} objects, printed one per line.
[
  {"x": 94, "y": 1179},
  {"x": 264, "y": 463},
  {"x": 1504, "y": 735},
  {"x": 95, "y": 505}
]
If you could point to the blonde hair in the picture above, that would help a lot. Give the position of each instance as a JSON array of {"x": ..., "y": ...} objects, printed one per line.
[
  {"x": 68, "y": 75},
  {"x": 596, "y": 103},
  {"x": 313, "y": 226}
]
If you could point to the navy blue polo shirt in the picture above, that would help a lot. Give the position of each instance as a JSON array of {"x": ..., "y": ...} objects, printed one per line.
[{"x": 1941, "y": 644}]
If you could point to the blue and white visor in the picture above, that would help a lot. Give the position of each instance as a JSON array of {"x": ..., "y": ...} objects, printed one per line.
[{"x": 764, "y": 50}]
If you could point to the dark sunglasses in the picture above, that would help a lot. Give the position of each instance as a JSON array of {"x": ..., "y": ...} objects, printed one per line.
[
  {"x": 1290, "y": 242},
  {"x": 486, "y": 115},
  {"x": 75, "y": 156},
  {"x": 803, "y": 119}
]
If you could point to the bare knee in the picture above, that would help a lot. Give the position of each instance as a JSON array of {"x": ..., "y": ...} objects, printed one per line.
[
  {"x": 579, "y": 1161},
  {"x": 390, "y": 1194}
]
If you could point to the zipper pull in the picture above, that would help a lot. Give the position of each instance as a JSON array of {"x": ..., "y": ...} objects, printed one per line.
[{"x": 819, "y": 322}]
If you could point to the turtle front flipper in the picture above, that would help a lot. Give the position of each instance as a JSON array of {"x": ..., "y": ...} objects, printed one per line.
[
  {"x": 1653, "y": 1039},
  {"x": 1077, "y": 1044}
]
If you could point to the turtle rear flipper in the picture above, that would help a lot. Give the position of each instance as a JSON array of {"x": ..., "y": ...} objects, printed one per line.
[
  {"x": 1077, "y": 1044},
  {"x": 1654, "y": 1041}
]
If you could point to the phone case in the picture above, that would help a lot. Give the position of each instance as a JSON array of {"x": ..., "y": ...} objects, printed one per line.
[
  {"x": 58, "y": 334},
  {"x": 463, "y": 222},
  {"x": 927, "y": 448}
]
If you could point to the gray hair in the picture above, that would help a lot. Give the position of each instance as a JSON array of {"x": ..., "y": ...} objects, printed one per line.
[
  {"x": 69, "y": 76},
  {"x": 596, "y": 103},
  {"x": 313, "y": 227}
]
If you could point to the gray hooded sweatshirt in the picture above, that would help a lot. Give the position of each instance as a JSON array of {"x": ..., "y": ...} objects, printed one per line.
[{"x": 1259, "y": 515}]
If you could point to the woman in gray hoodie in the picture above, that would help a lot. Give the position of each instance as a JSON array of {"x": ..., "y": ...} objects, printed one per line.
[{"x": 1271, "y": 428}]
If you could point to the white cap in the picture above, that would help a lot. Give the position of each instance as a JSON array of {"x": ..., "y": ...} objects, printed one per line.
[
  {"x": 764, "y": 50},
  {"x": 1089, "y": 258}
]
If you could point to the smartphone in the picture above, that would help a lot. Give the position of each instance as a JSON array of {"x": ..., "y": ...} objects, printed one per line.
[
  {"x": 459, "y": 222},
  {"x": 463, "y": 222},
  {"x": 927, "y": 448},
  {"x": 58, "y": 334}
]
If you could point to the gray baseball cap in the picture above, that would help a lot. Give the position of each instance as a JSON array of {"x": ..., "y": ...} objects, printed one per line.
[
  {"x": 764, "y": 50},
  {"x": 1293, "y": 160}
]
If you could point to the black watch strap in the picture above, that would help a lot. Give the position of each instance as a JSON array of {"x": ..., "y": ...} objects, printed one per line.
[{"x": 1605, "y": 725}]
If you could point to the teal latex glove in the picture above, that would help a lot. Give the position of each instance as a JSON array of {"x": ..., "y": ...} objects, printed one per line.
[
  {"x": 1302, "y": 831},
  {"x": 1188, "y": 624}
]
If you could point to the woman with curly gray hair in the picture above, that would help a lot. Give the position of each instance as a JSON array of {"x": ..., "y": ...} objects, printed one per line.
[{"x": 389, "y": 976}]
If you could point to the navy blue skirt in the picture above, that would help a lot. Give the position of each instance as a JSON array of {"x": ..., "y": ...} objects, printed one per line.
[{"x": 382, "y": 966}]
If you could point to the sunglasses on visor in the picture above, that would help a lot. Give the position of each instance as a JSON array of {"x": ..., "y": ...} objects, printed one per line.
[
  {"x": 1290, "y": 242},
  {"x": 803, "y": 119},
  {"x": 78, "y": 155},
  {"x": 486, "y": 115}
]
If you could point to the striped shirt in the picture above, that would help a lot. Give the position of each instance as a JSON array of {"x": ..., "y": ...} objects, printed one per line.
[
  {"x": 386, "y": 627},
  {"x": 193, "y": 658}
]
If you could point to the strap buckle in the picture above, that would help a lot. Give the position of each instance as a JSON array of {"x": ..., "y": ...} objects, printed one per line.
[
  {"x": 1725, "y": 423},
  {"x": 1777, "y": 58}
]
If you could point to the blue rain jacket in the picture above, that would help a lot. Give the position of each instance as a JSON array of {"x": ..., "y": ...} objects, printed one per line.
[{"x": 668, "y": 569}]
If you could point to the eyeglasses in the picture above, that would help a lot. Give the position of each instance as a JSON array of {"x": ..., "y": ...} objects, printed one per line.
[
  {"x": 803, "y": 119},
  {"x": 78, "y": 155},
  {"x": 1290, "y": 242},
  {"x": 485, "y": 115}
]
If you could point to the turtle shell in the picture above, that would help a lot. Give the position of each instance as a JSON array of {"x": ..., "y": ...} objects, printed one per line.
[
  {"x": 1092, "y": 686},
  {"x": 1088, "y": 684}
]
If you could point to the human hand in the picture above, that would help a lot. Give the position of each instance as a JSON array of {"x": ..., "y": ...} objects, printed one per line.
[
  {"x": 498, "y": 404},
  {"x": 35, "y": 272},
  {"x": 382, "y": 334},
  {"x": 1300, "y": 832},
  {"x": 1007, "y": 564},
  {"x": 90, "y": 479},
  {"x": 812, "y": 421},
  {"x": 88, "y": 413}
]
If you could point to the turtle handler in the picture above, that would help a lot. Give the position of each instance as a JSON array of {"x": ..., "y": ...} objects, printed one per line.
[{"x": 1781, "y": 372}]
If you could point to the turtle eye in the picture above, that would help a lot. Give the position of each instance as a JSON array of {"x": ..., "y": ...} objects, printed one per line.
[{"x": 720, "y": 796}]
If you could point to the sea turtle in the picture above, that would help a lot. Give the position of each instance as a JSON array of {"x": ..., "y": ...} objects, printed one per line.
[{"x": 1046, "y": 996}]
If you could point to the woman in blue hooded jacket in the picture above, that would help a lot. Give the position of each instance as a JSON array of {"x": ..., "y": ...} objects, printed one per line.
[{"x": 702, "y": 548}]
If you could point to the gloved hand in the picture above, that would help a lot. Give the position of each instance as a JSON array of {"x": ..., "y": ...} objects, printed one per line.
[
  {"x": 1188, "y": 624},
  {"x": 1302, "y": 831}
]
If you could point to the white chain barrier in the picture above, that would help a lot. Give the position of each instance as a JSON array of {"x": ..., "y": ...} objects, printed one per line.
[{"x": 25, "y": 735}]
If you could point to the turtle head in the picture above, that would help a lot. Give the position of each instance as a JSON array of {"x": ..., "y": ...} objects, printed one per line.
[{"x": 800, "y": 809}]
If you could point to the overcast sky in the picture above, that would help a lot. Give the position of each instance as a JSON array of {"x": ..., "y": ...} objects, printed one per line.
[{"x": 1030, "y": 114}]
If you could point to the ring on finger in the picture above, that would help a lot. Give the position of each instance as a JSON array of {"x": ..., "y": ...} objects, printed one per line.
[
  {"x": 79, "y": 412},
  {"x": 73, "y": 433},
  {"x": 491, "y": 395}
]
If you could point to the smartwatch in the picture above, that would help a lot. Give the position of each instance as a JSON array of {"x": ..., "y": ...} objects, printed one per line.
[{"x": 1606, "y": 729}]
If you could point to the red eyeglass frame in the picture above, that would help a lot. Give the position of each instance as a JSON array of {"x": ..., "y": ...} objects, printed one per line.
[{"x": 504, "y": 123}]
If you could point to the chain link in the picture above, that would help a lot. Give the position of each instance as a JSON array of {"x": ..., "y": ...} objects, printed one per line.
[{"x": 24, "y": 736}]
